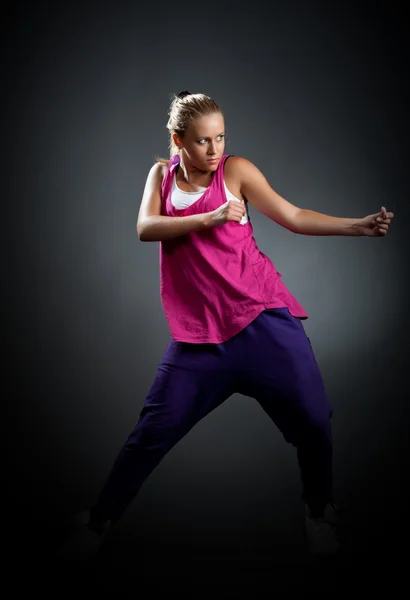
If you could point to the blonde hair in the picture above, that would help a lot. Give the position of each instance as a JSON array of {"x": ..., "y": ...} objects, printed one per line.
[{"x": 183, "y": 109}]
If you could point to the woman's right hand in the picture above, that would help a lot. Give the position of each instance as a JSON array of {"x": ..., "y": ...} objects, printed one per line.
[{"x": 232, "y": 210}]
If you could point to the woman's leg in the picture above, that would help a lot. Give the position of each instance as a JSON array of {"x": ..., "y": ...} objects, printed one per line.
[
  {"x": 191, "y": 381},
  {"x": 282, "y": 374}
]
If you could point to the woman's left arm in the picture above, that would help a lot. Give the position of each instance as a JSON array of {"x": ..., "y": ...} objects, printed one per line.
[{"x": 256, "y": 189}]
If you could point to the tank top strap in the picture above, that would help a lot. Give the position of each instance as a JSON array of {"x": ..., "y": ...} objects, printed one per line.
[
  {"x": 219, "y": 175},
  {"x": 168, "y": 177}
]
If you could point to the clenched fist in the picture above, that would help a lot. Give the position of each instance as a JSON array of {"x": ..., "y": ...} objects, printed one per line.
[
  {"x": 230, "y": 211},
  {"x": 376, "y": 225}
]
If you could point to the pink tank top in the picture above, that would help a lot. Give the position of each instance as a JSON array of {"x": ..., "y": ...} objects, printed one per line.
[{"x": 214, "y": 282}]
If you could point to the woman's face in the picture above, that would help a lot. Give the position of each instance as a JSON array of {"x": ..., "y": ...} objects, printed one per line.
[{"x": 204, "y": 142}]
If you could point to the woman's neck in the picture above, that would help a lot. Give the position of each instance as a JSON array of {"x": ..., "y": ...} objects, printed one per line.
[{"x": 189, "y": 172}]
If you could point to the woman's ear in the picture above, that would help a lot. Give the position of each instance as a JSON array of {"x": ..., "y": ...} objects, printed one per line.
[{"x": 177, "y": 141}]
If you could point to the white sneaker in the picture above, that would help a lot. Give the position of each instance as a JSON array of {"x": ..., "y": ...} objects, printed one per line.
[
  {"x": 321, "y": 532},
  {"x": 331, "y": 515},
  {"x": 84, "y": 543}
]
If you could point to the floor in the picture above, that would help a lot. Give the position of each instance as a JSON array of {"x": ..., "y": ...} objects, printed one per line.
[{"x": 131, "y": 563}]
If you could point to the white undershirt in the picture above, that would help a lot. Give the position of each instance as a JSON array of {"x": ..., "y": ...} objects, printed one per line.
[{"x": 181, "y": 200}]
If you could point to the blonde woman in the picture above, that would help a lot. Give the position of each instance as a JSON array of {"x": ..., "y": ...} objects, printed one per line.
[{"x": 235, "y": 327}]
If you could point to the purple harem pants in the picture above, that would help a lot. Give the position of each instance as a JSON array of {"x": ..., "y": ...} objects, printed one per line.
[{"x": 272, "y": 361}]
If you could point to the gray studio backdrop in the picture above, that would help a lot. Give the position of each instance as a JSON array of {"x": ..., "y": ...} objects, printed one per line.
[{"x": 304, "y": 96}]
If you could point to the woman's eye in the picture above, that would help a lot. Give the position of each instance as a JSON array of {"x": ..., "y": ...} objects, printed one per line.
[{"x": 203, "y": 141}]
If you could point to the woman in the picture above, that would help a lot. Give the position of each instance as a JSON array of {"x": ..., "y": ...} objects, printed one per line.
[{"x": 235, "y": 327}]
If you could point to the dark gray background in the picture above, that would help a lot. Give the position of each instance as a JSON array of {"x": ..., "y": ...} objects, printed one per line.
[{"x": 315, "y": 95}]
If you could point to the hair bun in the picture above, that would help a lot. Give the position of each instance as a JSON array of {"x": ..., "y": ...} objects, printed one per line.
[{"x": 183, "y": 94}]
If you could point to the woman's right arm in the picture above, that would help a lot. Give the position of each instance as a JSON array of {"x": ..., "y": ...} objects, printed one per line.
[{"x": 154, "y": 227}]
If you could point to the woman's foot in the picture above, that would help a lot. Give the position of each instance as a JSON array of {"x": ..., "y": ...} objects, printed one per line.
[
  {"x": 320, "y": 531},
  {"x": 85, "y": 541}
]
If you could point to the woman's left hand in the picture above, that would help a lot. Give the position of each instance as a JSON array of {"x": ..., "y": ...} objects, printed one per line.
[{"x": 376, "y": 225}]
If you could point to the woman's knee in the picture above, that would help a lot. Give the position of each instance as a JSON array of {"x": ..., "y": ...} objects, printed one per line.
[
  {"x": 152, "y": 433},
  {"x": 316, "y": 426}
]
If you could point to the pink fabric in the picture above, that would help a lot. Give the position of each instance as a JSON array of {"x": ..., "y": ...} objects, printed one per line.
[{"x": 214, "y": 282}]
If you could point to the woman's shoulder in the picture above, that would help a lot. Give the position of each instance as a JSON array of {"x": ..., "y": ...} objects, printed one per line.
[
  {"x": 234, "y": 169},
  {"x": 235, "y": 165},
  {"x": 162, "y": 161},
  {"x": 156, "y": 174},
  {"x": 237, "y": 161},
  {"x": 159, "y": 168}
]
